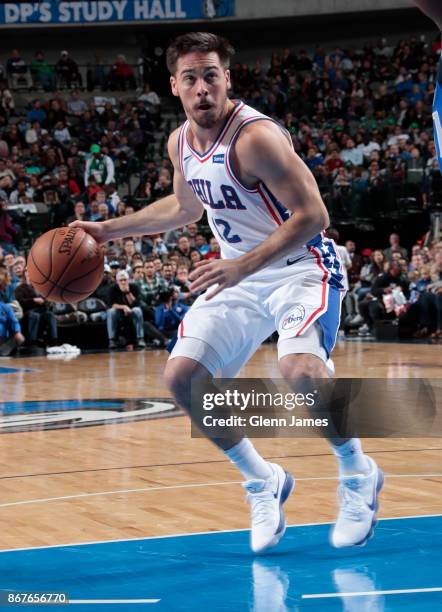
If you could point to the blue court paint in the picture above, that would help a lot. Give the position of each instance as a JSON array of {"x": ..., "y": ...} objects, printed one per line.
[
  {"x": 4, "y": 370},
  {"x": 216, "y": 572},
  {"x": 7, "y": 408}
]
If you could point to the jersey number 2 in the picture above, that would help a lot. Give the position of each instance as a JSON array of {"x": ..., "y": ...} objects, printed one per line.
[{"x": 226, "y": 229}]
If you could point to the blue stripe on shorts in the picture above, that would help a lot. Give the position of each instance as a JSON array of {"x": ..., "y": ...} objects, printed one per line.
[{"x": 437, "y": 115}]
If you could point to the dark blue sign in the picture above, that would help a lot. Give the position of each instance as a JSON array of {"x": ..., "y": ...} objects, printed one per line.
[{"x": 60, "y": 12}]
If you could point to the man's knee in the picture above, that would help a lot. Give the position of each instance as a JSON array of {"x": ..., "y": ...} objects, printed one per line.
[
  {"x": 112, "y": 313},
  {"x": 302, "y": 365},
  {"x": 180, "y": 373},
  {"x": 137, "y": 312}
]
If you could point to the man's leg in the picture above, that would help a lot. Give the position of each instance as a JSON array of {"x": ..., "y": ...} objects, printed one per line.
[
  {"x": 51, "y": 321},
  {"x": 268, "y": 485},
  {"x": 33, "y": 325},
  {"x": 112, "y": 324},
  {"x": 137, "y": 318},
  {"x": 361, "y": 480}
]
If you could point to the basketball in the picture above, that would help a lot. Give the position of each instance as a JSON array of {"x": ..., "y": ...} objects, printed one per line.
[{"x": 65, "y": 265}]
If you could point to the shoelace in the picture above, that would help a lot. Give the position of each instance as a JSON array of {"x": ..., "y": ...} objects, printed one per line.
[
  {"x": 352, "y": 503},
  {"x": 262, "y": 505}
]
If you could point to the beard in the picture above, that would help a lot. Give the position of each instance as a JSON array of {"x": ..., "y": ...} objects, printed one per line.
[{"x": 209, "y": 118}]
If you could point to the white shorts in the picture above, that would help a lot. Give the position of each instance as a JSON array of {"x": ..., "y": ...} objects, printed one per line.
[{"x": 301, "y": 301}]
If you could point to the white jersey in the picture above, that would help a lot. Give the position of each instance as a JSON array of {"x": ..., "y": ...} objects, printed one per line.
[{"x": 241, "y": 218}]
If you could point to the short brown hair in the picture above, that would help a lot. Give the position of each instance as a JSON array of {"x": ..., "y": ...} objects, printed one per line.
[{"x": 203, "y": 42}]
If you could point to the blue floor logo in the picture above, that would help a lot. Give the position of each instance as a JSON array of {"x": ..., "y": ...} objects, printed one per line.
[{"x": 61, "y": 414}]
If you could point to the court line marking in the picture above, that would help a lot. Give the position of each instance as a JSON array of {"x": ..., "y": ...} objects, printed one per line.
[
  {"x": 183, "y": 486},
  {"x": 198, "y": 533},
  {"x": 113, "y": 601},
  {"x": 365, "y": 593},
  {"x": 206, "y": 462}
]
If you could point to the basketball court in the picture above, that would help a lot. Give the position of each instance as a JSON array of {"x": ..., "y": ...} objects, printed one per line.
[{"x": 108, "y": 499}]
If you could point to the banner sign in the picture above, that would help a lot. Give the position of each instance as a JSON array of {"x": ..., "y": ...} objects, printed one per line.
[{"x": 73, "y": 12}]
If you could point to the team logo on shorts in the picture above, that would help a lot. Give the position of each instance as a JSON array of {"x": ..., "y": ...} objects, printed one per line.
[{"x": 294, "y": 318}]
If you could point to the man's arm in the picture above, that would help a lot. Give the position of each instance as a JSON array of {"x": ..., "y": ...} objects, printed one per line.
[
  {"x": 171, "y": 212},
  {"x": 269, "y": 158},
  {"x": 263, "y": 154}
]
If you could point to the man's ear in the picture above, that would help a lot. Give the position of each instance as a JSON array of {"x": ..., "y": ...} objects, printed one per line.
[
  {"x": 229, "y": 82},
  {"x": 173, "y": 86}
]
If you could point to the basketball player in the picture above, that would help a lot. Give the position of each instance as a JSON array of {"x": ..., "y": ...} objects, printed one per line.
[
  {"x": 433, "y": 10},
  {"x": 276, "y": 272}
]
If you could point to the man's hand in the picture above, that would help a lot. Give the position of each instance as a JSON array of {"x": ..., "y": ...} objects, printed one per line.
[
  {"x": 225, "y": 272},
  {"x": 19, "y": 338},
  {"x": 97, "y": 229},
  {"x": 126, "y": 310},
  {"x": 39, "y": 300}
]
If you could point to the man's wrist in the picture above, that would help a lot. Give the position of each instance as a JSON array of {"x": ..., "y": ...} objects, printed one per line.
[{"x": 247, "y": 264}]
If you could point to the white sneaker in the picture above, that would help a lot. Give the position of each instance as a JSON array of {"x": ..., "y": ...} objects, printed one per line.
[
  {"x": 357, "y": 320},
  {"x": 266, "y": 498},
  {"x": 364, "y": 330},
  {"x": 358, "y": 507}
]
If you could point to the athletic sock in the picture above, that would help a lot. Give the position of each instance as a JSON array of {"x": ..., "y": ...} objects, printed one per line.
[
  {"x": 248, "y": 461},
  {"x": 351, "y": 458}
]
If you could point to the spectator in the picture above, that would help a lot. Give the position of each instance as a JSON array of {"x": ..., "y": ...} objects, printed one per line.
[
  {"x": 67, "y": 71},
  {"x": 61, "y": 133},
  {"x": 21, "y": 193},
  {"x": 183, "y": 247},
  {"x": 37, "y": 113},
  {"x": 395, "y": 247},
  {"x": 7, "y": 104},
  {"x": 76, "y": 106},
  {"x": 170, "y": 312},
  {"x": 356, "y": 263},
  {"x": 151, "y": 101},
  {"x": 201, "y": 244},
  {"x": 373, "y": 307},
  {"x": 99, "y": 166},
  {"x": 122, "y": 75},
  {"x": 37, "y": 315},
  {"x": 10, "y": 332},
  {"x": 7, "y": 293},
  {"x": 42, "y": 72},
  {"x": 125, "y": 300},
  {"x": 7, "y": 230},
  {"x": 159, "y": 248},
  {"x": 351, "y": 154},
  {"x": 17, "y": 70},
  {"x": 214, "y": 251},
  {"x": 167, "y": 272}
]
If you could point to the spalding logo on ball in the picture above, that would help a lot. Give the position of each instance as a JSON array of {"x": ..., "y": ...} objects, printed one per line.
[{"x": 65, "y": 265}]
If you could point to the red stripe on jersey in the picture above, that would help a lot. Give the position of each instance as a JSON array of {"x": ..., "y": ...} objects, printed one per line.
[
  {"x": 230, "y": 170},
  {"x": 219, "y": 140},
  {"x": 269, "y": 206},
  {"x": 181, "y": 148},
  {"x": 323, "y": 305}
]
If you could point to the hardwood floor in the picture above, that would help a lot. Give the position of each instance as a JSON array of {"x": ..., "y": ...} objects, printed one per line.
[{"x": 149, "y": 477}]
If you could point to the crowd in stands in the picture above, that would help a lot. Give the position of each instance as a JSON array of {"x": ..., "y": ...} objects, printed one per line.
[
  {"x": 392, "y": 284},
  {"x": 360, "y": 119},
  {"x": 65, "y": 73}
]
